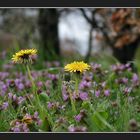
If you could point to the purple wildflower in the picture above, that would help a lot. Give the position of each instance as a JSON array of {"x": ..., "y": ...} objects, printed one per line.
[
  {"x": 20, "y": 127},
  {"x": 103, "y": 84},
  {"x": 97, "y": 93},
  {"x": 96, "y": 67},
  {"x": 122, "y": 80},
  {"x": 125, "y": 80},
  {"x": 10, "y": 95},
  {"x": 53, "y": 76},
  {"x": 127, "y": 90},
  {"x": 48, "y": 83},
  {"x": 50, "y": 105},
  {"x": 8, "y": 66},
  {"x": 14, "y": 97},
  {"x": 4, "y": 106},
  {"x": 135, "y": 78},
  {"x": 65, "y": 95},
  {"x": 39, "y": 84},
  {"x": 119, "y": 68},
  {"x": 39, "y": 122},
  {"x": 25, "y": 128},
  {"x": 20, "y": 100},
  {"x": 73, "y": 128},
  {"x": 3, "y": 75},
  {"x": 36, "y": 114},
  {"x": 78, "y": 117},
  {"x": 106, "y": 92},
  {"x": 75, "y": 95},
  {"x": 15, "y": 129},
  {"x": 83, "y": 96},
  {"x": 85, "y": 84},
  {"x": 28, "y": 84},
  {"x": 20, "y": 86},
  {"x": 17, "y": 81},
  {"x": 4, "y": 88}
]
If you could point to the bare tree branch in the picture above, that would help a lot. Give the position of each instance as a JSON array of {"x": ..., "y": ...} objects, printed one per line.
[
  {"x": 85, "y": 16},
  {"x": 94, "y": 24}
]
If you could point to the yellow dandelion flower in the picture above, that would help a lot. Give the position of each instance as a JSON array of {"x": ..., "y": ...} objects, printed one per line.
[
  {"x": 24, "y": 56},
  {"x": 77, "y": 67}
]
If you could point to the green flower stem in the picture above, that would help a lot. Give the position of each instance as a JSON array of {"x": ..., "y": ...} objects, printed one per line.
[
  {"x": 30, "y": 77},
  {"x": 76, "y": 86},
  {"x": 38, "y": 105},
  {"x": 33, "y": 86},
  {"x": 73, "y": 104},
  {"x": 77, "y": 77},
  {"x": 72, "y": 101}
]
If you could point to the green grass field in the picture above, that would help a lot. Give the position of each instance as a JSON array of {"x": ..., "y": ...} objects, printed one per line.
[{"x": 44, "y": 97}]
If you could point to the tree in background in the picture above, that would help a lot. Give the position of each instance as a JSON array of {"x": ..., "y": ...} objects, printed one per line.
[
  {"x": 19, "y": 26},
  {"x": 120, "y": 29},
  {"x": 126, "y": 27},
  {"x": 48, "y": 27}
]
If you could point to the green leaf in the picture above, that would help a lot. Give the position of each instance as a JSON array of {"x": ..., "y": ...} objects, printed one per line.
[
  {"x": 54, "y": 70},
  {"x": 100, "y": 120},
  {"x": 43, "y": 97},
  {"x": 97, "y": 120}
]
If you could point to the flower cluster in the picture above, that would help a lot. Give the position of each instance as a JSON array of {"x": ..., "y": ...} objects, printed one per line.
[{"x": 26, "y": 123}]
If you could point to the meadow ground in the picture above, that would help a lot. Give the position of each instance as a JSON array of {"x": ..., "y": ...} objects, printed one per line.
[{"x": 44, "y": 97}]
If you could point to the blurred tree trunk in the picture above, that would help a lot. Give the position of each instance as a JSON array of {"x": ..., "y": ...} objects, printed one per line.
[
  {"x": 126, "y": 53},
  {"x": 89, "y": 45},
  {"x": 48, "y": 28}
]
